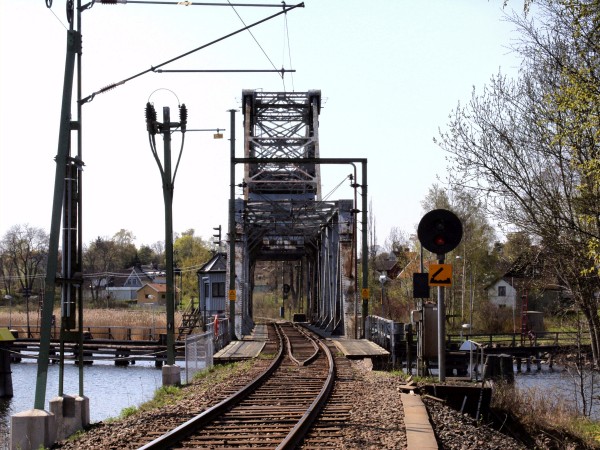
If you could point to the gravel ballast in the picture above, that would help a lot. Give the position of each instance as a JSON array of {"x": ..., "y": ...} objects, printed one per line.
[{"x": 376, "y": 420}]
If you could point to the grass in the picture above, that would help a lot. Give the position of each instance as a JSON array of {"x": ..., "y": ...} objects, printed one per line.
[
  {"x": 127, "y": 412},
  {"x": 542, "y": 411},
  {"x": 415, "y": 378}
]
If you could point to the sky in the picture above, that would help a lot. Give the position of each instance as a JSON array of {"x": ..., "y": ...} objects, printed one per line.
[{"x": 390, "y": 73}]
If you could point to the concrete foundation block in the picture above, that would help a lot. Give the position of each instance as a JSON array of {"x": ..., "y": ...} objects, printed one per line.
[
  {"x": 32, "y": 429},
  {"x": 84, "y": 407},
  {"x": 171, "y": 375},
  {"x": 72, "y": 414}
]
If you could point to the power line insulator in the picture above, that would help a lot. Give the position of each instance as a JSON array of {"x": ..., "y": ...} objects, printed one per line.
[
  {"x": 183, "y": 114},
  {"x": 151, "y": 122}
]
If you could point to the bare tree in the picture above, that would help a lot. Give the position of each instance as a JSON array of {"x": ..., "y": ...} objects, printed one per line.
[
  {"x": 26, "y": 250},
  {"x": 510, "y": 146}
]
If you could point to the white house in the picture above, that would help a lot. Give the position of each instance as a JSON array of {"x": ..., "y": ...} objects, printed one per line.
[{"x": 502, "y": 293}]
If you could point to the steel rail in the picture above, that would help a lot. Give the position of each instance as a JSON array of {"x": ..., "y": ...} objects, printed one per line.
[
  {"x": 308, "y": 360},
  {"x": 316, "y": 354},
  {"x": 297, "y": 434},
  {"x": 186, "y": 429}
]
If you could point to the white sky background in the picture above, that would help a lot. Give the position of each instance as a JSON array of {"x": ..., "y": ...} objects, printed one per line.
[{"x": 389, "y": 72}]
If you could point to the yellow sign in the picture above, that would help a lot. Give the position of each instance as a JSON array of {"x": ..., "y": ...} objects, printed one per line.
[
  {"x": 440, "y": 275},
  {"x": 232, "y": 295},
  {"x": 365, "y": 293}
]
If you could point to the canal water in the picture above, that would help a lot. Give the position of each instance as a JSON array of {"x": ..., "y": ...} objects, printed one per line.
[
  {"x": 109, "y": 388},
  {"x": 559, "y": 385}
]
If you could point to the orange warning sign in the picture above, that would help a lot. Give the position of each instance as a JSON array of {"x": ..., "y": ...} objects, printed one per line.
[
  {"x": 232, "y": 294},
  {"x": 440, "y": 275},
  {"x": 365, "y": 293}
]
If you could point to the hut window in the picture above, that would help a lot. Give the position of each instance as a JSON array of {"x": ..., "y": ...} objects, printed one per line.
[{"x": 218, "y": 289}]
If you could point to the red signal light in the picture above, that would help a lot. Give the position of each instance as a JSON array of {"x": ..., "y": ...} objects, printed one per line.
[{"x": 439, "y": 240}]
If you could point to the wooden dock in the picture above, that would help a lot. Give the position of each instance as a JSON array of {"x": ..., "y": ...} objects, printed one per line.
[{"x": 121, "y": 352}]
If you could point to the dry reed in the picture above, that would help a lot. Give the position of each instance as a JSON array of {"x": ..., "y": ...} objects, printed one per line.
[{"x": 119, "y": 323}]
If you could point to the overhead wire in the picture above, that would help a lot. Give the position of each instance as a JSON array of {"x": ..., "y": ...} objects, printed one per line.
[
  {"x": 335, "y": 188},
  {"x": 287, "y": 33},
  {"x": 57, "y": 18},
  {"x": 262, "y": 49},
  {"x": 252, "y": 34}
]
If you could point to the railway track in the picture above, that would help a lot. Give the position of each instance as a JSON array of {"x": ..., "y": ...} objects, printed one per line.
[{"x": 274, "y": 411}]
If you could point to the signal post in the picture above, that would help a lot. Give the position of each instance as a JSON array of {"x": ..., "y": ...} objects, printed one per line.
[{"x": 440, "y": 231}]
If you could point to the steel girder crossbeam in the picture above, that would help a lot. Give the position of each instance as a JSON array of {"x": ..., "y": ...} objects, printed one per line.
[
  {"x": 282, "y": 213},
  {"x": 281, "y": 125}
]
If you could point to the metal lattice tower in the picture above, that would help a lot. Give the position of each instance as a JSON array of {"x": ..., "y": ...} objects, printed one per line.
[
  {"x": 283, "y": 200},
  {"x": 282, "y": 216}
]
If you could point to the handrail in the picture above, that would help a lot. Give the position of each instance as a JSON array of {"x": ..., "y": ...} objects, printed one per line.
[{"x": 554, "y": 338}]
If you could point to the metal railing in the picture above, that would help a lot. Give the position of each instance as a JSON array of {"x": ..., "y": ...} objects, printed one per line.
[
  {"x": 384, "y": 332},
  {"x": 540, "y": 338},
  {"x": 199, "y": 353},
  {"x": 116, "y": 333},
  {"x": 219, "y": 330}
]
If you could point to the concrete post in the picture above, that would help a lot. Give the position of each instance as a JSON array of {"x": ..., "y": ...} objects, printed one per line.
[
  {"x": 71, "y": 412},
  {"x": 32, "y": 429},
  {"x": 171, "y": 375}
]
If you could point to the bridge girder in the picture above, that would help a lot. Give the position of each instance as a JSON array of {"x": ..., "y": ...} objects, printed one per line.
[{"x": 282, "y": 216}]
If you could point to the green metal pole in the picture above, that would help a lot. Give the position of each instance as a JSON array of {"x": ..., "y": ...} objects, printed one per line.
[
  {"x": 365, "y": 251},
  {"x": 168, "y": 196},
  {"x": 232, "y": 291},
  {"x": 73, "y": 47},
  {"x": 79, "y": 207}
]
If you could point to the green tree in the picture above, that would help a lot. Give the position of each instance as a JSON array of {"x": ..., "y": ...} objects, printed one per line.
[
  {"x": 126, "y": 251},
  {"x": 146, "y": 255},
  {"x": 189, "y": 253}
]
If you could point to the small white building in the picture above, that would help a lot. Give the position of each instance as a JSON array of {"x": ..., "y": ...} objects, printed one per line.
[{"x": 502, "y": 294}]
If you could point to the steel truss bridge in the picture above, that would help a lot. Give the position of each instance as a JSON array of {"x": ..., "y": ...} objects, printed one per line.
[{"x": 282, "y": 216}]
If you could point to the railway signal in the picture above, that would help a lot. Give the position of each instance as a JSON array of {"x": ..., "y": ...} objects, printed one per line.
[{"x": 440, "y": 231}]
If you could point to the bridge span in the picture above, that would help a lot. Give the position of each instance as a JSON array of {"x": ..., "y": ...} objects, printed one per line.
[{"x": 283, "y": 217}]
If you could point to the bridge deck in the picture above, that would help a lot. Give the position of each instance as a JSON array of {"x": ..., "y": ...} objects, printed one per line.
[
  {"x": 351, "y": 348},
  {"x": 238, "y": 351},
  {"x": 359, "y": 348},
  {"x": 249, "y": 347},
  {"x": 259, "y": 333}
]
